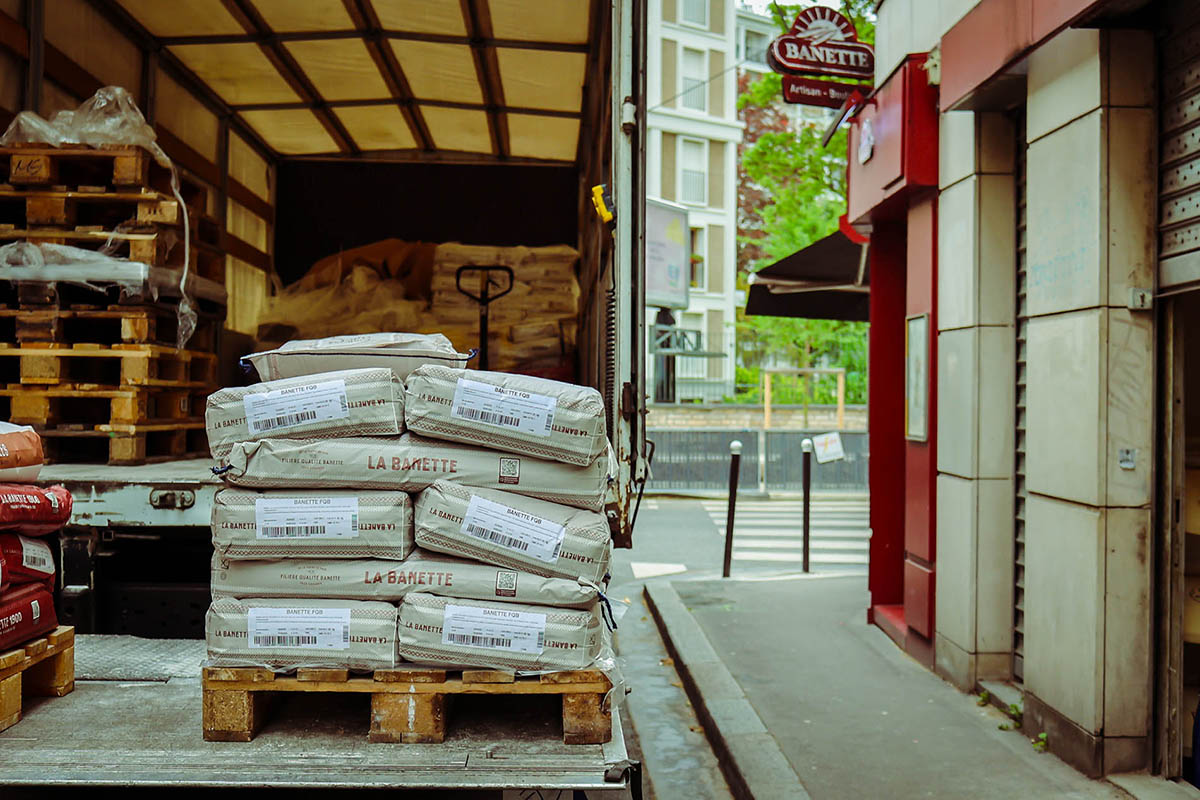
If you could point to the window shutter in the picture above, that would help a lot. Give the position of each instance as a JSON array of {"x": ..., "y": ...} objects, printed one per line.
[
  {"x": 716, "y": 16},
  {"x": 668, "y": 167},
  {"x": 716, "y": 174},
  {"x": 714, "y": 259},
  {"x": 670, "y": 83},
  {"x": 716, "y": 83},
  {"x": 716, "y": 342}
]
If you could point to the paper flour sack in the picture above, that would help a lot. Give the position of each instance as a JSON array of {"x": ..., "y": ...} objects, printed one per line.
[
  {"x": 399, "y": 352},
  {"x": 472, "y": 633},
  {"x": 329, "y": 523},
  {"x": 410, "y": 463},
  {"x": 514, "y": 413},
  {"x": 290, "y": 633},
  {"x": 359, "y": 402},
  {"x": 513, "y": 531},
  {"x": 389, "y": 581},
  {"x": 20, "y": 453}
]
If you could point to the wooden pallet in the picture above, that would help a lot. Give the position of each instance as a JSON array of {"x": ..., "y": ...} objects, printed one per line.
[
  {"x": 97, "y": 296},
  {"x": 407, "y": 705},
  {"x": 158, "y": 246},
  {"x": 96, "y": 205},
  {"x": 91, "y": 405},
  {"x": 151, "y": 324},
  {"x": 125, "y": 444},
  {"x": 118, "y": 365},
  {"x": 44, "y": 667},
  {"x": 43, "y": 165}
]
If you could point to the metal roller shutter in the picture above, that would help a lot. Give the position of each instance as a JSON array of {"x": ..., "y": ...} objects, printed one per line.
[
  {"x": 1022, "y": 325},
  {"x": 1179, "y": 151}
]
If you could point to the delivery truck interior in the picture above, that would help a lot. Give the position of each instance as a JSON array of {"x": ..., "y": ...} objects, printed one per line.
[{"x": 358, "y": 134}]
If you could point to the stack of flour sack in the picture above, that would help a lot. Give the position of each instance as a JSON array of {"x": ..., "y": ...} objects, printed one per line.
[{"x": 402, "y": 508}]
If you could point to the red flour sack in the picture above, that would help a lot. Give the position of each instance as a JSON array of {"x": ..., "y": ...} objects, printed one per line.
[
  {"x": 25, "y": 612},
  {"x": 27, "y": 560},
  {"x": 20, "y": 453},
  {"x": 33, "y": 510}
]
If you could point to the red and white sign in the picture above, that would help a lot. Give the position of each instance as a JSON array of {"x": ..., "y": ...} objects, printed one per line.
[
  {"x": 813, "y": 92},
  {"x": 822, "y": 41}
]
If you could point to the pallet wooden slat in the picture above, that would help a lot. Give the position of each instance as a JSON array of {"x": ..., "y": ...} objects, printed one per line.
[
  {"x": 139, "y": 364},
  {"x": 44, "y": 667},
  {"x": 408, "y": 705}
]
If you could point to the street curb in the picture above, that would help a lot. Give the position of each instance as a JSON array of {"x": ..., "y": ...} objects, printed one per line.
[{"x": 749, "y": 756}]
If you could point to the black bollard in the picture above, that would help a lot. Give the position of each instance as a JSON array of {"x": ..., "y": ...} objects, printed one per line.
[
  {"x": 735, "y": 461},
  {"x": 806, "y": 448}
]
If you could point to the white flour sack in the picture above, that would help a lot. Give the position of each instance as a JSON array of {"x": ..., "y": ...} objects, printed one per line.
[
  {"x": 410, "y": 463},
  {"x": 471, "y": 633},
  {"x": 378, "y": 579},
  {"x": 356, "y": 402},
  {"x": 513, "y": 531},
  {"x": 328, "y": 523},
  {"x": 399, "y": 352},
  {"x": 515, "y": 413},
  {"x": 289, "y": 633}
]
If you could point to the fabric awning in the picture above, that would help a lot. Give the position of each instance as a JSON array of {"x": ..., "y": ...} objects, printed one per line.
[{"x": 826, "y": 280}]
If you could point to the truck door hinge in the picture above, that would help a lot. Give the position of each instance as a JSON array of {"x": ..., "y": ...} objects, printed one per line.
[
  {"x": 171, "y": 498},
  {"x": 628, "y": 116}
]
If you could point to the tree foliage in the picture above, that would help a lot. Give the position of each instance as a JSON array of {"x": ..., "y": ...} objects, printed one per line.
[{"x": 791, "y": 193}]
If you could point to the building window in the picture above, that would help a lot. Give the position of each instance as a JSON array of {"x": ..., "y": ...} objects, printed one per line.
[
  {"x": 694, "y": 74},
  {"x": 755, "y": 49},
  {"x": 695, "y": 12},
  {"x": 690, "y": 366},
  {"x": 694, "y": 174},
  {"x": 699, "y": 271}
]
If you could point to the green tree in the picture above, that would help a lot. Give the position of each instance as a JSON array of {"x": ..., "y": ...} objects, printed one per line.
[{"x": 793, "y": 192}]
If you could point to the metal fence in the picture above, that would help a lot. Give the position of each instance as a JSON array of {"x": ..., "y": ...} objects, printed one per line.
[{"x": 697, "y": 460}]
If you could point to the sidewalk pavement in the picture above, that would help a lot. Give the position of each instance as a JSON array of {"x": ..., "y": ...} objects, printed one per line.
[{"x": 801, "y": 698}]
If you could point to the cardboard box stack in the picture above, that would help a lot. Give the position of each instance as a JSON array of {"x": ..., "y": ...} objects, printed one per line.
[
  {"x": 314, "y": 538},
  {"x": 27, "y": 513}
]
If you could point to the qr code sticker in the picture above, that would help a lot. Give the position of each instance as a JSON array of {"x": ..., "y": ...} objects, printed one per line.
[
  {"x": 506, "y": 584},
  {"x": 510, "y": 470}
]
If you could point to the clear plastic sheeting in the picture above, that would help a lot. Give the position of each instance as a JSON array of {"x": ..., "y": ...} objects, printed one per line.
[
  {"x": 361, "y": 302},
  {"x": 59, "y": 263},
  {"x": 111, "y": 117}
]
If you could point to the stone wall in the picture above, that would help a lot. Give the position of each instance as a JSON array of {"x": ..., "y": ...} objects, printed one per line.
[{"x": 729, "y": 415}]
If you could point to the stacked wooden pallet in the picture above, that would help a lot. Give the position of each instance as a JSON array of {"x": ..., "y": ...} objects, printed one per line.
[{"x": 94, "y": 367}]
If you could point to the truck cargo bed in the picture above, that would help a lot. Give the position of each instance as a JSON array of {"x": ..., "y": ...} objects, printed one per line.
[{"x": 144, "y": 696}]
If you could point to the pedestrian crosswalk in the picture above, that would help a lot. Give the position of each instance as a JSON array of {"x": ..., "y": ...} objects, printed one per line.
[{"x": 770, "y": 532}]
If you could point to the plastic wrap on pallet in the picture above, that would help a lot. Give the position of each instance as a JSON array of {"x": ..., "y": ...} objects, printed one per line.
[
  {"x": 26, "y": 612},
  {"x": 111, "y": 117},
  {"x": 402, "y": 352},
  {"x": 26, "y": 560},
  {"x": 291, "y": 633},
  {"x": 324, "y": 524},
  {"x": 21, "y": 454},
  {"x": 60, "y": 263},
  {"x": 515, "y": 413},
  {"x": 379, "y": 579},
  {"x": 34, "y": 510},
  {"x": 508, "y": 530},
  {"x": 410, "y": 463},
  {"x": 352, "y": 402}
]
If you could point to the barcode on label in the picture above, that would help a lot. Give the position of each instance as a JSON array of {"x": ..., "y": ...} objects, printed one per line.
[
  {"x": 490, "y": 418},
  {"x": 36, "y": 561},
  {"x": 498, "y": 538},
  {"x": 285, "y": 641},
  {"x": 282, "y": 421},
  {"x": 479, "y": 641},
  {"x": 285, "y": 531}
]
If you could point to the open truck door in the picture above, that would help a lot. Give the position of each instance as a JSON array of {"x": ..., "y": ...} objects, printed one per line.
[{"x": 625, "y": 383}]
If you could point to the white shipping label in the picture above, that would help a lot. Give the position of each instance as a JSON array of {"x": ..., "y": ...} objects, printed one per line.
[
  {"x": 307, "y": 628},
  {"x": 518, "y": 631},
  {"x": 36, "y": 555},
  {"x": 300, "y": 405},
  {"x": 513, "y": 529},
  {"x": 504, "y": 408},
  {"x": 305, "y": 517},
  {"x": 36, "y": 608}
]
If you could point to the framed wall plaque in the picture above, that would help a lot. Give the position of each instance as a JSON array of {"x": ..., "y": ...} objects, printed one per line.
[{"x": 916, "y": 378}]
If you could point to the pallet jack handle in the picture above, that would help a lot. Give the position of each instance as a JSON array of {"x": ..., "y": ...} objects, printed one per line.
[{"x": 484, "y": 298}]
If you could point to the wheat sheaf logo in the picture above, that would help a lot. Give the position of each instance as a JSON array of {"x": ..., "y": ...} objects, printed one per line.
[{"x": 822, "y": 41}]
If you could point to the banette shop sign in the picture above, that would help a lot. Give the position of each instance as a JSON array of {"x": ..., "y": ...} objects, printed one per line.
[{"x": 822, "y": 41}]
